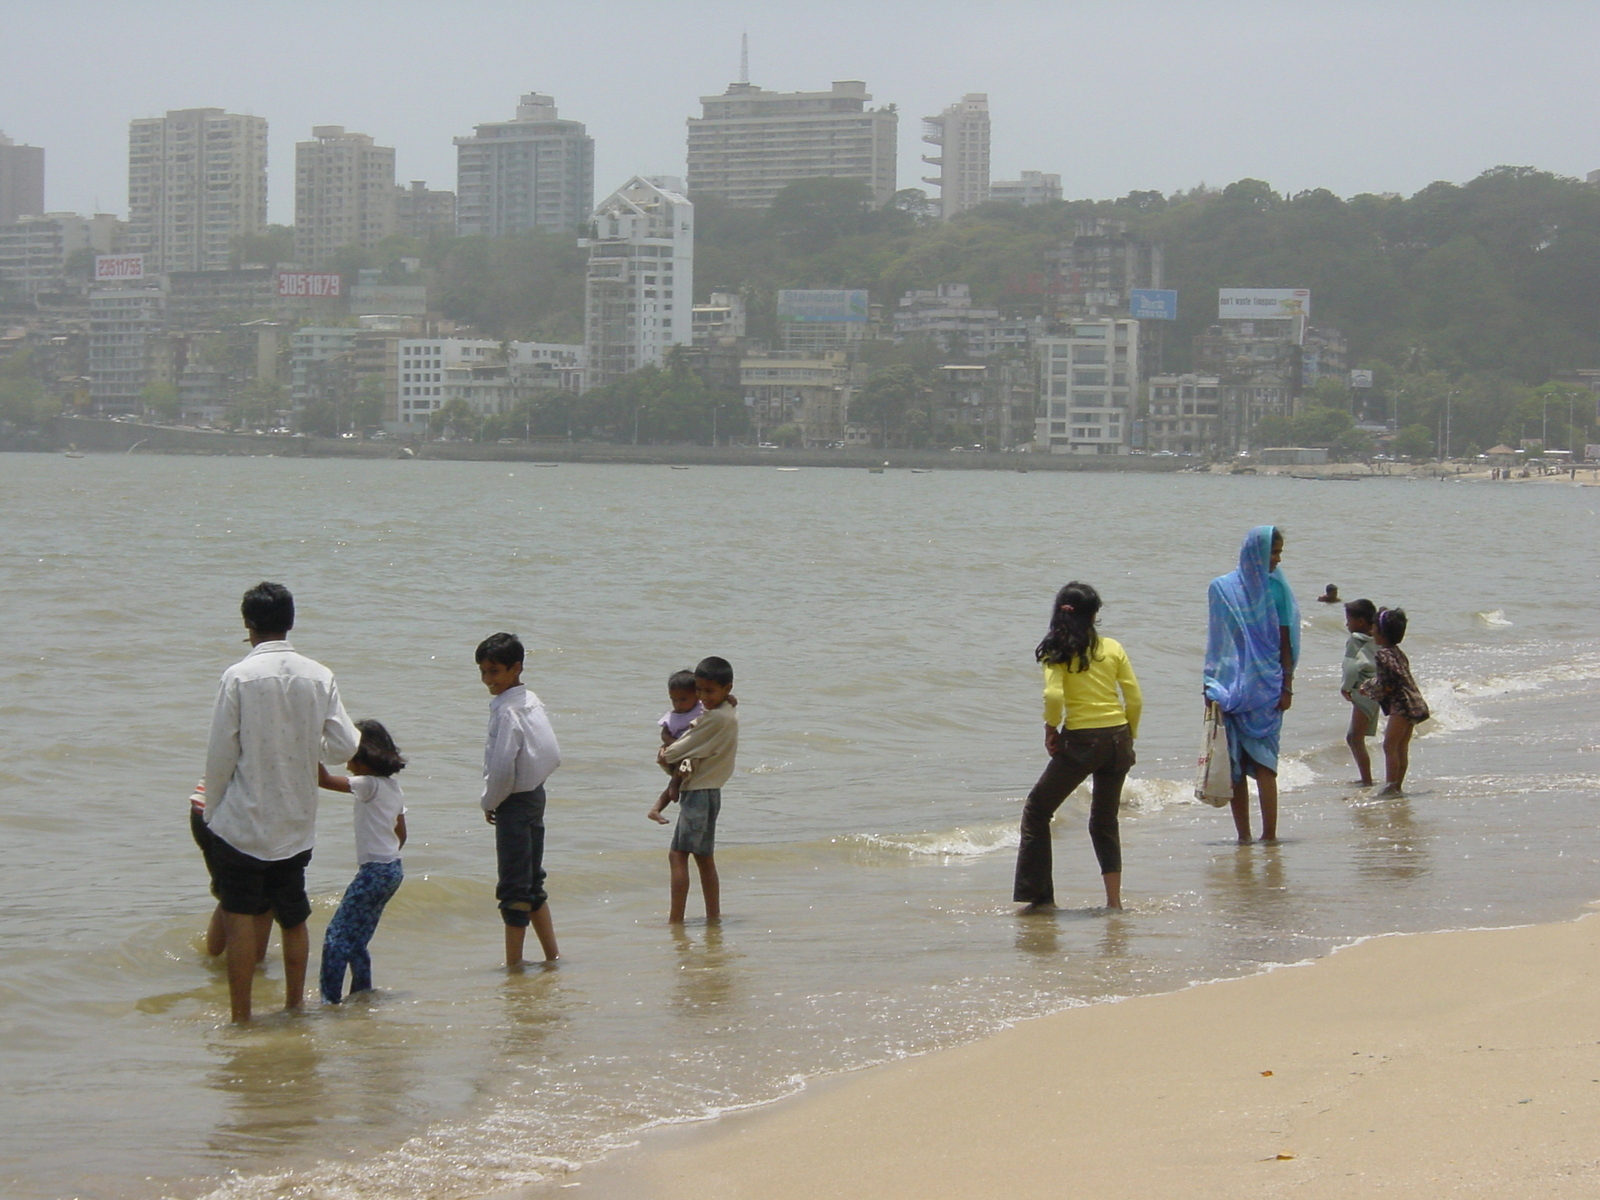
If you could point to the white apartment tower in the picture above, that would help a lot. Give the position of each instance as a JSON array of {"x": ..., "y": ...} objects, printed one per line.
[
  {"x": 197, "y": 178},
  {"x": 961, "y": 133},
  {"x": 749, "y": 143},
  {"x": 1089, "y": 380},
  {"x": 534, "y": 172},
  {"x": 343, "y": 193},
  {"x": 639, "y": 293}
]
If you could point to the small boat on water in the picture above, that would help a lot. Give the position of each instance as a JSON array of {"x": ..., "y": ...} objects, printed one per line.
[
  {"x": 922, "y": 470},
  {"x": 72, "y": 451},
  {"x": 680, "y": 468},
  {"x": 788, "y": 468}
]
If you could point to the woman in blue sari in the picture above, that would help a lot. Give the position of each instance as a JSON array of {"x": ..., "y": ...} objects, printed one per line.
[{"x": 1252, "y": 645}]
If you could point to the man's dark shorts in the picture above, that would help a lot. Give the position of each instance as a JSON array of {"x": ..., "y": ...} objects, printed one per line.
[
  {"x": 252, "y": 886},
  {"x": 205, "y": 840}
]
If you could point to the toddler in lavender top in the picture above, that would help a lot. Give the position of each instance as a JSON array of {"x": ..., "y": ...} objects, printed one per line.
[{"x": 686, "y": 709}]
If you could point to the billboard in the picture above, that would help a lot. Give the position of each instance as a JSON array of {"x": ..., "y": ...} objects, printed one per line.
[
  {"x": 117, "y": 268},
  {"x": 1152, "y": 304},
  {"x": 1263, "y": 304},
  {"x": 310, "y": 285},
  {"x": 836, "y": 307},
  {"x": 1361, "y": 379}
]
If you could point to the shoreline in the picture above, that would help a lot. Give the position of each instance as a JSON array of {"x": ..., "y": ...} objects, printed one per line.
[{"x": 1453, "y": 1063}]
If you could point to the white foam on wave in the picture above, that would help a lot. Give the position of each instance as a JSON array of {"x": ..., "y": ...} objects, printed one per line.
[
  {"x": 1151, "y": 795},
  {"x": 1572, "y": 670},
  {"x": 961, "y": 842},
  {"x": 1495, "y": 619}
]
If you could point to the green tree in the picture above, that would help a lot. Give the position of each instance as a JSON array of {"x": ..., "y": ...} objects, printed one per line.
[
  {"x": 24, "y": 401},
  {"x": 810, "y": 215},
  {"x": 273, "y": 245},
  {"x": 889, "y": 403},
  {"x": 1414, "y": 441},
  {"x": 455, "y": 419},
  {"x": 163, "y": 400}
]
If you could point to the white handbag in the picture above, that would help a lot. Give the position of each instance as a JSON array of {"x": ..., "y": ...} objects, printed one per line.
[{"x": 1214, "y": 782}]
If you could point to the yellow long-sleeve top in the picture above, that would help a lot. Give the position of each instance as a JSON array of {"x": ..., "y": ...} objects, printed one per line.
[{"x": 1088, "y": 699}]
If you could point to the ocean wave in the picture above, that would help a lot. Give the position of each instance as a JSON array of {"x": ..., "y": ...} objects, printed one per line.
[
  {"x": 1571, "y": 670},
  {"x": 1495, "y": 619},
  {"x": 961, "y": 842}
]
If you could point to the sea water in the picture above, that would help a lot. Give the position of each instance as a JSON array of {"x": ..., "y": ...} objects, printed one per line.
[{"x": 881, "y": 628}]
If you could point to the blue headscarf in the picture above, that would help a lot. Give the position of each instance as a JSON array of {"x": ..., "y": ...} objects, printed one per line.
[{"x": 1244, "y": 658}]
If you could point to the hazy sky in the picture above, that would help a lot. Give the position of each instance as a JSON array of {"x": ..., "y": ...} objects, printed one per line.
[{"x": 1352, "y": 95}]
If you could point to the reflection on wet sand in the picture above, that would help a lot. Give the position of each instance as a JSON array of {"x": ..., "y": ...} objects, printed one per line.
[
  {"x": 270, "y": 1073},
  {"x": 1392, "y": 847},
  {"x": 704, "y": 988}
]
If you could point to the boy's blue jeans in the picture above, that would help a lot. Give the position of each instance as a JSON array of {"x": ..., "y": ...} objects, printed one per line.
[{"x": 352, "y": 927}]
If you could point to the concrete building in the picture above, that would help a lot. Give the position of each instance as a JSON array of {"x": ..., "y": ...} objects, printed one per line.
[
  {"x": 1033, "y": 188},
  {"x": 533, "y": 172},
  {"x": 946, "y": 315},
  {"x": 1182, "y": 414},
  {"x": 1088, "y": 384},
  {"x": 197, "y": 179},
  {"x": 209, "y": 299},
  {"x": 961, "y": 133},
  {"x": 370, "y": 295},
  {"x": 21, "y": 181},
  {"x": 1094, "y": 273},
  {"x": 344, "y": 193},
  {"x": 421, "y": 213},
  {"x": 34, "y": 250},
  {"x": 985, "y": 404},
  {"x": 639, "y": 289},
  {"x": 491, "y": 377},
  {"x": 128, "y": 347},
  {"x": 749, "y": 143},
  {"x": 720, "y": 317},
  {"x": 809, "y": 391},
  {"x": 311, "y": 351}
]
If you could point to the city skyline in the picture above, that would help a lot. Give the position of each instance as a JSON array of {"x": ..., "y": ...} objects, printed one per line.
[{"x": 1363, "y": 97}]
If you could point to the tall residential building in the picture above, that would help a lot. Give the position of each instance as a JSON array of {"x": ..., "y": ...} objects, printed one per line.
[
  {"x": 749, "y": 143},
  {"x": 961, "y": 133},
  {"x": 1033, "y": 188},
  {"x": 534, "y": 172},
  {"x": 639, "y": 293},
  {"x": 197, "y": 178},
  {"x": 21, "y": 181},
  {"x": 1098, "y": 269},
  {"x": 421, "y": 213},
  {"x": 128, "y": 346},
  {"x": 34, "y": 250},
  {"x": 343, "y": 193},
  {"x": 1088, "y": 384}
]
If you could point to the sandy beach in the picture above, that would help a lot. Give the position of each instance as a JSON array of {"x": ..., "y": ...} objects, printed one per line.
[{"x": 1447, "y": 1064}]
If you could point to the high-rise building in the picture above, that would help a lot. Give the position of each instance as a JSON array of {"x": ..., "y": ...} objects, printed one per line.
[
  {"x": 21, "y": 181},
  {"x": 750, "y": 143},
  {"x": 1096, "y": 272},
  {"x": 1088, "y": 384},
  {"x": 1033, "y": 188},
  {"x": 961, "y": 133},
  {"x": 421, "y": 213},
  {"x": 534, "y": 172},
  {"x": 639, "y": 293},
  {"x": 128, "y": 346},
  {"x": 34, "y": 250},
  {"x": 343, "y": 193},
  {"x": 197, "y": 179}
]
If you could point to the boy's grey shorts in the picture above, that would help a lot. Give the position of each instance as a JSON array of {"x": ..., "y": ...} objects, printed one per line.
[{"x": 697, "y": 821}]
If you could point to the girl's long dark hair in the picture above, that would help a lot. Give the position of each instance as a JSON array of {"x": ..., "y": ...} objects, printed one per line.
[
  {"x": 1071, "y": 639},
  {"x": 377, "y": 751}
]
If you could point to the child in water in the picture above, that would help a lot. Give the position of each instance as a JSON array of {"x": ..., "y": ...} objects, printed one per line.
[
  {"x": 686, "y": 708},
  {"x": 1398, "y": 695},
  {"x": 1360, "y": 665},
  {"x": 380, "y": 815}
]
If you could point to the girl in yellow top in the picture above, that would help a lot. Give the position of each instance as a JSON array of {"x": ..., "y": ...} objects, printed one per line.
[{"x": 1089, "y": 689}]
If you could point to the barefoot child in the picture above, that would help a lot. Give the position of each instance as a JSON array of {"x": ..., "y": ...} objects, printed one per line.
[
  {"x": 1360, "y": 666},
  {"x": 380, "y": 814},
  {"x": 700, "y": 762},
  {"x": 1398, "y": 695},
  {"x": 686, "y": 709},
  {"x": 519, "y": 754}
]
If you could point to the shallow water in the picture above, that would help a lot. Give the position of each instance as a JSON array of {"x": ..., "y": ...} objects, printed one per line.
[{"x": 881, "y": 627}]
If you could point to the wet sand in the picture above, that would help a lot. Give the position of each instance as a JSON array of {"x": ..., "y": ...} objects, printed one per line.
[{"x": 1448, "y": 1064}]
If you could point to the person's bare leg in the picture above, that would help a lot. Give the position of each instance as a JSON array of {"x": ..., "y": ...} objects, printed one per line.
[
  {"x": 263, "y": 936},
  {"x": 1356, "y": 739},
  {"x": 1241, "y": 809},
  {"x": 545, "y": 930},
  {"x": 1113, "y": 882},
  {"x": 241, "y": 950},
  {"x": 515, "y": 935},
  {"x": 1396, "y": 754},
  {"x": 678, "y": 868},
  {"x": 710, "y": 886},
  {"x": 296, "y": 953},
  {"x": 1267, "y": 791},
  {"x": 217, "y": 932}
]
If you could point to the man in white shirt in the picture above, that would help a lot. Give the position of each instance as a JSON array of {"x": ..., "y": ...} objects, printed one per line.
[{"x": 277, "y": 716}]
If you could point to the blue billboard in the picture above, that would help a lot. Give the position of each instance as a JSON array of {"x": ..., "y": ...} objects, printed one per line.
[
  {"x": 835, "y": 306},
  {"x": 1152, "y": 304}
]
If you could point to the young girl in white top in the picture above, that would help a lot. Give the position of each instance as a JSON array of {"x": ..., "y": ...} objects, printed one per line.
[{"x": 380, "y": 832}]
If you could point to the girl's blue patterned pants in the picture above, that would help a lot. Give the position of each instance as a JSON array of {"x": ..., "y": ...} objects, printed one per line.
[{"x": 352, "y": 927}]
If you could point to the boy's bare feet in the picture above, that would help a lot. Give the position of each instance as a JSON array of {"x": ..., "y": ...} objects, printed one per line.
[
  {"x": 655, "y": 815},
  {"x": 1391, "y": 789}
]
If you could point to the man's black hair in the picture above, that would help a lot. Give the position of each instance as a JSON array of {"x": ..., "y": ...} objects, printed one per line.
[
  {"x": 502, "y": 648},
  {"x": 268, "y": 608},
  {"x": 1362, "y": 610},
  {"x": 718, "y": 670},
  {"x": 680, "y": 681}
]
